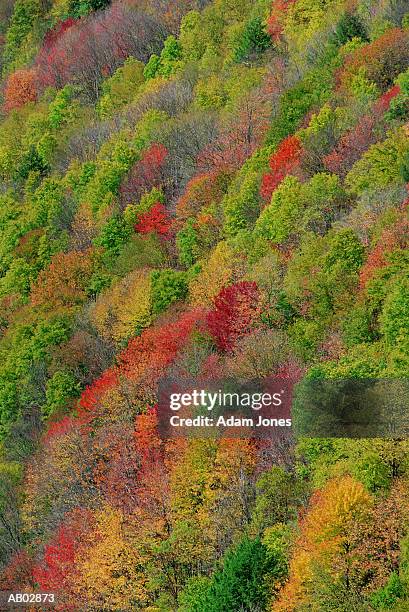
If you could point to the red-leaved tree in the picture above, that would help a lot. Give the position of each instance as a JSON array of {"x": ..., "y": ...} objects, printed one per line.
[
  {"x": 145, "y": 174},
  {"x": 284, "y": 161},
  {"x": 86, "y": 51},
  {"x": 155, "y": 220},
  {"x": 56, "y": 572},
  {"x": 142, "y": 363},
  {"x": 358, "y": 139},
  {"x": 393, "y": 237},
  {"x": 235, "y": 313},
  {"x": 383, "y": 59},
  {"x": 276, "y": 18}
]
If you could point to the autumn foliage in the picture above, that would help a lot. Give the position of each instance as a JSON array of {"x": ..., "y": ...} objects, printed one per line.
[
  {"x": 64, "y": 282},
  {"x": 20, "y": 89},
  {"x": 382, "y": 59},
  {"x": 234, "y": 313},
  {"x": 143, "y": 361},
  {"x": 393, "y": 237},
  {"x": 101, "y": 43},
  {"x": 201, "y": 190},
  {"x": 356, "y": 141},
  {"x": 156, "y": 220},
  {"x": 276, "y": 17},
  {"x": 147, "y": 173},
  {"x": 284, "y": 161},
  {"x": 57, "y": 572}
]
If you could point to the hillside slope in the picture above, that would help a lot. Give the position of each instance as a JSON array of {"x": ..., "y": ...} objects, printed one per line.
[{"x": 214, "y": 189}]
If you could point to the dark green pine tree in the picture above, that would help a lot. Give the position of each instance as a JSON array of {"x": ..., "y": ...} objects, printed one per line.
[
  {"x": 254, "y": 40},
  {"x": 240, "y": 584}
]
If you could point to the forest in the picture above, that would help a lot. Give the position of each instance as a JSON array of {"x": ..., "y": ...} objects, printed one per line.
[{"x": 200, "y": 188}]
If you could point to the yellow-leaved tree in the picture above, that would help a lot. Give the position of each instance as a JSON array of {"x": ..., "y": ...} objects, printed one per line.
[
  {"x": 216, "y": 272},
  {"x": 124, "y": 309},
  {"x": 334, "y": 514},
  {"x": 111, "y": 566}
]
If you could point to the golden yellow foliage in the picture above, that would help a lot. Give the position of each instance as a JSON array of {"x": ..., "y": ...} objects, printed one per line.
[
  {"x": 111, "y": 566},
  {"x": 324, "y": 530},
  {"x": 217, "y": 272},
  {"x": 124, "y": 309}
]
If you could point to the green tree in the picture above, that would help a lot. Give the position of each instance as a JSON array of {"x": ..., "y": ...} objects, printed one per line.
[
  {"x": 254, "y": 40},
  {"x": 167, "y": 286},
  {"x": 240, "y": 583}
]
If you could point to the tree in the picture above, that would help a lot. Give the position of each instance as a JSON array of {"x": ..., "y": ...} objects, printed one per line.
[
  {"x": 111, "y": 567},
  {"x": 121, "y": 88},
  {"x": 391, "y": 238},
  {"x": 57, "y": 572},
  {"x": 146, "y": 174},
  {"x": 166, "y": 64},
  {"x": 380, "y": 165},
  {"x": 358, "y": 139},
  {"x": 350, "y": 26},
  {"x": 241, "y": 581},
  {"x": 103, "y": 42},
  {"x": 18, "y": 573},
  {"x": 200, "y": 192},
  {"x": 217, "y": 271},
  {"x": 280, "y": 495},
  {"x": 254, "y": 40},
  {"x": 142, "y": 362},
  {"x": 395, "y": 315},
  {"x": 167, "y": 286},
  {"x": 325, "y": 531},
  {"x": 94, "y": 393},
  {"x": 276, "y": 19},
  {"x": 20, "y": 89},
  {"x": 64, "y": 282},
  {"x": 10, "y": 540},
  {"x": 296, "y": 207},
  {"x": 383, "y": 59},
  {"x": 187, "y": 243},
  {"x": 79, "y": 8},
  {"x": 25, "y": 15},
  {"x": 32, "y": 162},
  {"x": 154, "y": 220},
  {"x": 61, "y": 388},
  {"x": 115, "y": 233},
  {"x": 284, "y": 161},
  {"x": 234, "y": 314},
  {"x": 242, "y": 204},
  {"x": 240, "y": 135},
  {"x": 124, "y": 310},
  {"x": 399, "y": 105}
]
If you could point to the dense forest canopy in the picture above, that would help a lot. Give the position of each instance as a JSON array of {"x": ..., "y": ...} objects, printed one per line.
[{"x": 200, "y": 188}]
